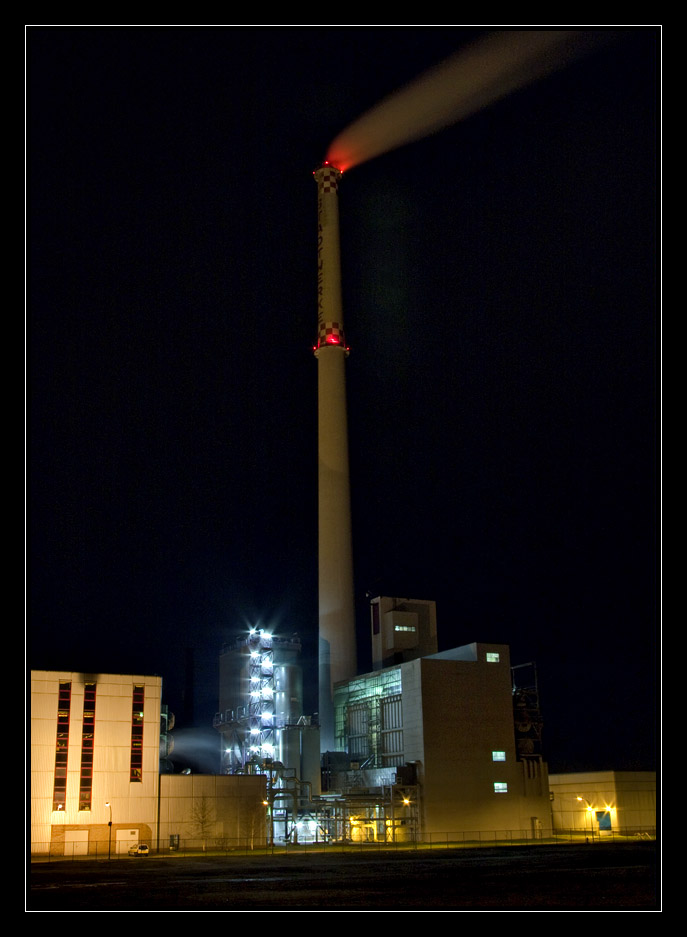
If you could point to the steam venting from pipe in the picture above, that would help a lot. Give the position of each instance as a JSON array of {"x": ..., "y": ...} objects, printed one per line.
[{"x": 477, "y": 76}]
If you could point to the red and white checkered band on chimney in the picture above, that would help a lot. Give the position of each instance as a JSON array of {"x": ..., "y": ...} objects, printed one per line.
[
  {"x": 331, "y": 333},
  {"x": 330, "y": 180}
]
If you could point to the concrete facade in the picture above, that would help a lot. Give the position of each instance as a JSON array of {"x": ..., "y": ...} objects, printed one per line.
[
  {"x": 118, "y": 746},
  {"x": 207, "y": 810},
  {"x": 455, "y": 725},
  {"x": 605, "y": 801},
  {"x": 95, "y": 760}
]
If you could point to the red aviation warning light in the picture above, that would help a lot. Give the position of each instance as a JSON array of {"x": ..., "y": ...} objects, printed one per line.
[
  {"x": 329, "y": 314},
  {"x": 331, "y": 333},
  {"x": 326, "y": 164}
]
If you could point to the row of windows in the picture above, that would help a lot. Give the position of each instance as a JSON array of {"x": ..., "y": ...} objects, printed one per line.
[
  {"x": 500, "y": 787},
  {"x": 64, "y": 702},
  {"x": 136, "y": 764},
  {"x": 87, "y": 743},
  {"x": 87, "y": 730}
]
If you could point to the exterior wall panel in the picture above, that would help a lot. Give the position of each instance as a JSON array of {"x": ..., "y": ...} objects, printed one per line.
[{"x": 111, "y": 758}]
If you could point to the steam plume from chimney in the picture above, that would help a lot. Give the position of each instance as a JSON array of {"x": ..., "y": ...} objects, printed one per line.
[{"x": 475, "y": 77}]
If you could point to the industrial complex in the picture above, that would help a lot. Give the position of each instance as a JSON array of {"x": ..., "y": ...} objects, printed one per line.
[
  {"x": 443, "y": 747},
  {"x": 428, "y": 745},
  {"x": 424, "y": 748}
]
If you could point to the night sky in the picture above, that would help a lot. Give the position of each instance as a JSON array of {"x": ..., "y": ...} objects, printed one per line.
[{"x": 500, "y": 303}]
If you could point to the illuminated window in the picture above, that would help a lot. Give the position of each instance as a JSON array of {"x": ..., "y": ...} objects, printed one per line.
[
  {"x": 498, "y": 756},
  {"x": 391, "y": 735},
  {"x": 404, "y": 627},
  {"x": 359, "y": 722},
  {"x": 64, "y": 697},
  {"x": 358, "y": 730},
  {"x": 136, "y": 771},
  {"x": 500, "y": 787},
  {"x": 87, "y": 736},
  {"x": 492, "y": 657}
]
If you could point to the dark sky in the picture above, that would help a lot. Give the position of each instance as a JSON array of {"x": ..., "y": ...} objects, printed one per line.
[{"x": 500, "y": 303}]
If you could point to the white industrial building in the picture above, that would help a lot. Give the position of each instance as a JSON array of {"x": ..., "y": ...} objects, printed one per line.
[
  {"x": 604, "y": 802},
  {"x": 95, "y": 752},
  {"x": 96, "y": 787},
  {"x": 441, "y": 730}
]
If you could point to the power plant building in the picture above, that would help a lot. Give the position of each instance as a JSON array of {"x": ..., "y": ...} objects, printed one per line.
[
  {"x": 445, "y": 725},
  {"x": 427, "y": 736},
  {"x": 434, "y": 745},
  {"x": 429, "y": 744},
  {"x": 95, "y": 756},
  {"x": 97, "y": 742}
]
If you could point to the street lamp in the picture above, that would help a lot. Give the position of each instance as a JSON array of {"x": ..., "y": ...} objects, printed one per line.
[
  {"x": 109, "y": 836},
  {"x": 590, "y": 811},
  {"x": 268, "y": 803}
]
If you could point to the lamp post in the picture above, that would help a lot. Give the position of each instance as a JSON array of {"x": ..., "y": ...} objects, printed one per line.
[
  {"x": 411, "y": 816},
  {"x": 590, "y": 811},
  {"x": 109, "y": 835},
  {"x": 268, "y": 803}
]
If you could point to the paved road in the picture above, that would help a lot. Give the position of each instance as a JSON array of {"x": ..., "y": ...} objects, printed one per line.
[{"x": 538, "y": 878}]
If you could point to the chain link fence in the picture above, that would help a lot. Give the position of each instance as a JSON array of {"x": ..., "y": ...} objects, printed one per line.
[{"x": 64, "y": 851}]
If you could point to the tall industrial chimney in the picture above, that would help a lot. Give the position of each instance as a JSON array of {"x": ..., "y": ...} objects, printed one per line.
[{"x": 337, "y": 648}]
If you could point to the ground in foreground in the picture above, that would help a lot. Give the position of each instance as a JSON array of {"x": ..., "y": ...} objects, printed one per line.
[{"x": 585, "y": 877}]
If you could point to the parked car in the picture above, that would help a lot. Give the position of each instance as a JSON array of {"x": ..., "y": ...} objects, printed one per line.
[{"x": 140, "y": 850}]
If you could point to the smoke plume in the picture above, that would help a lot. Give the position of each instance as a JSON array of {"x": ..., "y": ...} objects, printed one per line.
[{"x": 475, "y": 77}]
